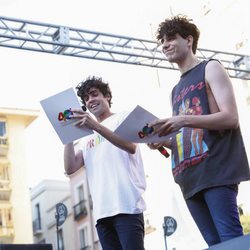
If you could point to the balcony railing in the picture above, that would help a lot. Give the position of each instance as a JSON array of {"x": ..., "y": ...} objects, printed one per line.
[
  {"x": 5, "y": 190},
  {"x": 4, "y": 146},
  {"x": 86, "y": 248},
  {"x": 6, "y": 231},
  {"x": 80, "y": 210},
  {"x": 37, "y": 226}
]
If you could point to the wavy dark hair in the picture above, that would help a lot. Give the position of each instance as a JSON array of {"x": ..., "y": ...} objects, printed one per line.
[
  {"x": 181, "y": 25},
  {"x": 93, "y": 82}
]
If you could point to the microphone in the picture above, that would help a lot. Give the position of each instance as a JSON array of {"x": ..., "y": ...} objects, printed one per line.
[
  {"x": 148, "y": 130},
  {"x": 163, "y": 151}
]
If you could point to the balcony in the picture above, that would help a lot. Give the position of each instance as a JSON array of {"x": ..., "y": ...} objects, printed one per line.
[
  {"x": 6, "y": 231},
  {"x": 80, "y": 210},
  {"x": 37, "y": 226},
  {"x": 86, "y": 248},
  {"x": 5, "y": 190},
  {"x": 4, "y": 146}
]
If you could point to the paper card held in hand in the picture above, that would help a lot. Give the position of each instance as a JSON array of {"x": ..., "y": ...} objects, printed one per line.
[
  {"x": 134, "y": 128},
  {"x": 58, "y": 110}
]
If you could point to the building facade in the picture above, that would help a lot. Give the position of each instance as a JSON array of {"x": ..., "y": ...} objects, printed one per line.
[
  {"x": 15, "y": 210},
  {"x": 44, "y": 199},
  {"x": 84, "y": 225}
]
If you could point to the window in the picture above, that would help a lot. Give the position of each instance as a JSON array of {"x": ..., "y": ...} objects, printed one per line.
[
  {"x": 4, "y": 173},
  {"x": 80, "y": 209},
  {"x": 9, "y": 216},
  {"x": 83, "y": 238},
  {"x": 2, "y": 129},
  {"x": 37, "y": 221},
  {"x": 3, "y": 137},
  {"x": 80, "y": 193},
  {"x": 1, "y": 220},
  {"x": 5, "y": 217}
]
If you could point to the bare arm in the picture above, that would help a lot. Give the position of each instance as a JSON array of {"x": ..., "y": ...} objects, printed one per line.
[
  {"x": 72, "y": 161},
  {"x": 223, "y": 93},
  {"x": 86, "y": 120},
  {"x": 224, "y": 113},
  {"x": 115, "y": 139}
]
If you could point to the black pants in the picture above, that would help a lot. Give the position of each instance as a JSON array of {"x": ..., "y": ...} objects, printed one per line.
[{"x": 121, "y": 232}]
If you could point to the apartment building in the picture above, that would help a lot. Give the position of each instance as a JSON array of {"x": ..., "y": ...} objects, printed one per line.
[
  {"x": 44, "y": 199},
  {"x": 84, "y": 226},
  {"x": 15, "y": 209}
]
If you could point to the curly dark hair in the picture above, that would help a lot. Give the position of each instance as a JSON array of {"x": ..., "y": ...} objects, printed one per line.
[
  {"x": 181, "y": 25},
  {"x": 93, "y": 82}
]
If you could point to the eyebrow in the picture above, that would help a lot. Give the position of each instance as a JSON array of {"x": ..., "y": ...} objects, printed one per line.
[{"x": 92, "y": 91}]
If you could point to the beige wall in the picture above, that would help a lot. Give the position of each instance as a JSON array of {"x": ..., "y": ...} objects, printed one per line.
[
  {"x": 19, "y": 202},
  {"x": 20, "y": 194}
]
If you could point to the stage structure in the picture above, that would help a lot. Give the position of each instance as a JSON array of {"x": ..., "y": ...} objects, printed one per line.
[{"x": 68, "y": 41}]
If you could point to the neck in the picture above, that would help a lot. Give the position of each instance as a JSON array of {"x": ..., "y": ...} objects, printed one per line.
[
  {"x": 188, "y": 64},
  {"x": 103, "y": 116}
]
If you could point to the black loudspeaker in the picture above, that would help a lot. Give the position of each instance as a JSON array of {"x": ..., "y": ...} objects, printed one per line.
[
  {"x": 239, "y": 243},
  {"x": 25, "y": 247}
]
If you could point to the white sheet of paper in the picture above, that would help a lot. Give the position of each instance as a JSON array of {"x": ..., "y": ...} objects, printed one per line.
[
  {"x": 56, "y": 108},
  {"x": 129, "y": 129}
]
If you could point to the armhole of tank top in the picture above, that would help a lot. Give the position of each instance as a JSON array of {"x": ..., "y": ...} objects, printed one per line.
[{"x": 208, "y": 89}]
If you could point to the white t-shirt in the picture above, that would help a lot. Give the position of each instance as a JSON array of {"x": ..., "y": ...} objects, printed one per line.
[{"x": 116, "y": 178}]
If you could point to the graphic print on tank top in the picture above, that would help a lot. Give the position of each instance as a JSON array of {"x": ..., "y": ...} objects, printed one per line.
[{"x": 188, "y": 147}]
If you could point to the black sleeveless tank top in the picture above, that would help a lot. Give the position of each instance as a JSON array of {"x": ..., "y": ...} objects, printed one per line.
[{"x": 204, "y": 158}]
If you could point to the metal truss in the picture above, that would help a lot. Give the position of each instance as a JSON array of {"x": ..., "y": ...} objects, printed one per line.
[{"x": 61, "y": 40}]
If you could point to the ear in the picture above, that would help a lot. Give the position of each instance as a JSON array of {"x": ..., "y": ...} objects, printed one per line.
[
  {"x": 190, "y": 40},
  {"x": 108, "y": 97}
]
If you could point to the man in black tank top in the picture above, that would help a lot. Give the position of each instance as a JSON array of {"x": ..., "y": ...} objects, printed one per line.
[{"x": 208, "y": 155}]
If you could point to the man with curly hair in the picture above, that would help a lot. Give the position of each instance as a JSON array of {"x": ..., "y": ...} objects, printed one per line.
[
  {"x": 217, "y": 162},
  {"x": 114, "y": 170}
]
